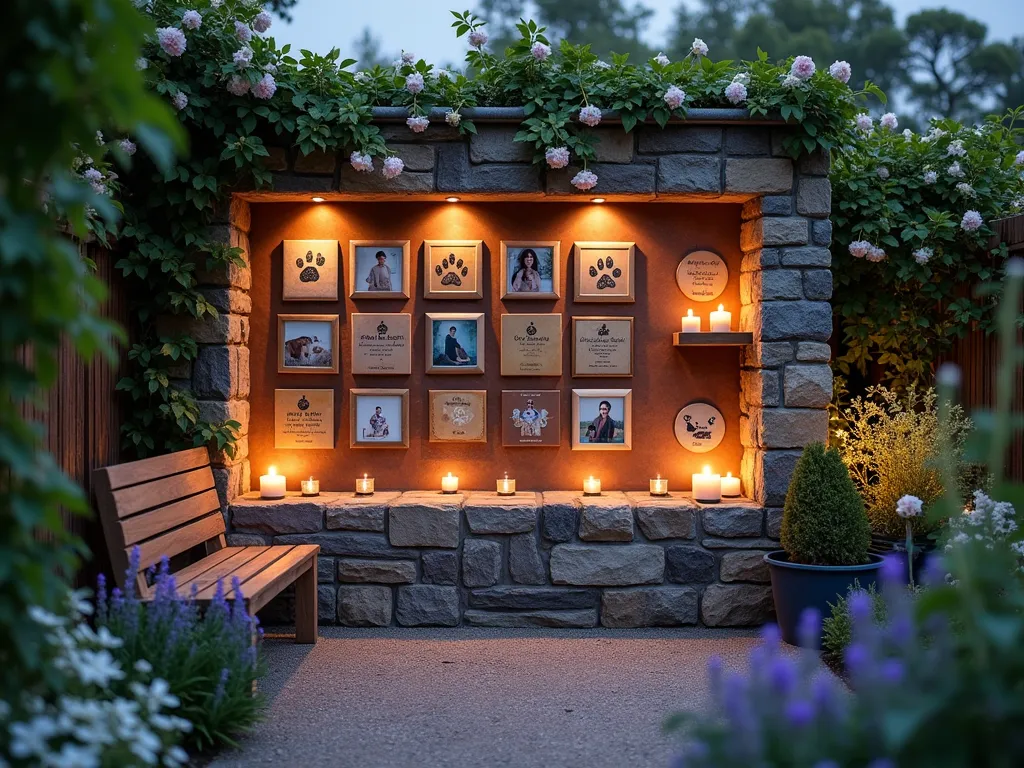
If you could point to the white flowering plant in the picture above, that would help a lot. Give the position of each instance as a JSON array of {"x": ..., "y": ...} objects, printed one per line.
[
  {"x": 930, "y": 214},
  {"x": 93, "y": 709}
]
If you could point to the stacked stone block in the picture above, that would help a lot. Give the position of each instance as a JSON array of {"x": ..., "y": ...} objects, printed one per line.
[{"x": 553, "y": 559}]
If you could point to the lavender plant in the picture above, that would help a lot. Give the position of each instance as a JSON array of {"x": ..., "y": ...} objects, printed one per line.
[{"x": 210, "y": 658}]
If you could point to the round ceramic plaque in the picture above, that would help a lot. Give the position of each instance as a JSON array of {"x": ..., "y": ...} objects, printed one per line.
[
  {"x": 702, "y": 275},
  {"x": 700, "y": 427}
]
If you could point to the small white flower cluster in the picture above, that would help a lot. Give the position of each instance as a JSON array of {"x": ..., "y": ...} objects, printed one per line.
[
  {"x": 883, "y": 172},
  {"x": 585, "y": 180},
  {"x": 889, "y": 121},
  {"x": 179, "y": 101},
  {"x": 1019, "y": 159},
  {"x": 862, "y": 249},
  {"x": 933, "y": 135},
  {"x": 966, "y": 189},
  {"x": 392, "y": 167},
  {"x": 101, "y": 716},
  {"x": 991, "y": 521},
  {"x": 242, "y": 57},
  {"x": 841, "y": 71},
  {"x": 930, "y": 177},
  {"x": 955, "y": 170},
  {"x": 127, "y": 146},
  {"x": 956, "y": 149},
  {"x": 674, "y": 97},
  {"x": 540, "y": 51},
  {"x": 971, "y": 221},
  {"x": 478, "y": 38},
  {"x": 453, "y": 118},
  {"x": 736, "y": 91},
  {"x": 909, "y": 506},
  {"x": 97, "y": 181},
  {"x": 698, "y": 47},
  {"x": 557, "y": 157},
  {"x": 922, "y": 255},
  {"x": 590, "y": 115},
  {"x": 417, "y": 123},
  {"x": 864, "y": 122},
  {"x": 414, "y": 83},
  {"x": 362, "y": 163},
  {"x": 662, "y": 59}
]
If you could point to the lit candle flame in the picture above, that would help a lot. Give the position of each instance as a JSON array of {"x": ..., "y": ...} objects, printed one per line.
[
  {"x": 707, "y": 469},
  {"x": 728, "y": 474},
  {"x": 721, "y": 307},
  {"x": 364, "y": 475},
  {"x": 272, "y": 470},
  {"x": 449, "y": 474}
]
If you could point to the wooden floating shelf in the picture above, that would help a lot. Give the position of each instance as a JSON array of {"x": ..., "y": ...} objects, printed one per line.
[{"x": 731, "y": 339}]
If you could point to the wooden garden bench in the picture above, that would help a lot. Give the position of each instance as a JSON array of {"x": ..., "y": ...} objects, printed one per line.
[{"x": 168, "y": 505}]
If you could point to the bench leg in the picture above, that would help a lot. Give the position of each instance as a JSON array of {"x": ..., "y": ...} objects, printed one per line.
[{"x": 306, "y": 616}]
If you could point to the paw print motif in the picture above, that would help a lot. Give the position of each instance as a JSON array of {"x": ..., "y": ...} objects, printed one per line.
[
  {"x": 309, "y": 273},
  {"x": 454, "y": 267},
  {"x": 606, "y": 272}
]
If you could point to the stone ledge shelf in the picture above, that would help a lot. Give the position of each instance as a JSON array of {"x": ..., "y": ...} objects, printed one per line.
[
  {"x": 730, "y": 339},
  {"x": 535, "y": 559}
]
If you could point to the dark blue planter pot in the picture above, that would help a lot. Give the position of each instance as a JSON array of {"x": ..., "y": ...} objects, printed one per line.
[
  {"x": 892, "y": 549},
  {"x": 796, "y": 587}
]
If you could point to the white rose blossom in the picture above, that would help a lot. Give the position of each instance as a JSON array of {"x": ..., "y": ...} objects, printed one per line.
[
  {"x": 414, "y": 83},
  {"x": 392, "y": 167},
  {"x": 698, "y": 47},
  {"x": 585, "y": 180},
  {"x": 172, "y": 41},
  {"x": 802, "y": 67},
  {"x": 971, "y": 221},
  {"x": 662, "y": 59},
  {"x": 242, "y": 57},
  {"x": 791, "y": 81},
  {"x": 191, "y": 20},
  {"x": 889, "y": 121},
  {"x": 478, "y": 38},
  {"x": 909, "y": 506},
  {"x": 590, "y": 115},
  {"x": 674, "y": 97},
  {"x": 417, "y": 124},
  {"x": 841, "y": 71},
  {"x": 736, "y": 92},
  {"x": 362, "y": 163},
  {"x": 864, "y": 122},
  {"x": 557, "y": 157}
]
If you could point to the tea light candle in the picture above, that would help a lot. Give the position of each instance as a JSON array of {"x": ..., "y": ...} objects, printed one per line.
[
  {"x": 730, "y": 486},
  {"x": 707, "y": 488},
  {"x": 449, "y": 484},
  {"x": 691, "y": 324},
  {"x": 310, "y": 487},
  {"x": 272, "y": 484},
  {"x": 364, "y": 485},
  {"x": 506, "y": 486},
  {"x": 592, "y": 486},
  {"x": 721, "y": 321},
  {"x": 659, "y": 486}
]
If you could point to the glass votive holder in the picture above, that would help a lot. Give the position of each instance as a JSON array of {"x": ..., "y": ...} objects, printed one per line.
[
  {"x": 659, "y": 486},
  {"x": 506, "y": 486},
  {"x": 310, "y": 487},
  {"x": 364, "y": 486}
]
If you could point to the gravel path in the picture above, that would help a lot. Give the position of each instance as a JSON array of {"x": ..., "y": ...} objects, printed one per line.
[{"x": 482, "y": 697}]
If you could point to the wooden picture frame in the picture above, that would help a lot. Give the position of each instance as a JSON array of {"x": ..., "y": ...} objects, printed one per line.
[
  {"x": 459, "y": 278},
  {"x": 513, "y": 249},
  {"x": 470, "y": 325},
  {"x": 390, "y": 402},
  {"x": 457, "y": 415},
  {"x": 531, "y": 418},
  {"x": 310, "y": 270},
  {"x": 595, "y": 351},
  {"x": 305, "y": 345},
  {"x": 596, "y": 281},
  {"x": 586, "y": 408},
  {"x": 304, "y": 419},
  {"x": 531, "y": 345},
  {"x": 381, "y": 343},
  {"x": 358, "y": 271}
]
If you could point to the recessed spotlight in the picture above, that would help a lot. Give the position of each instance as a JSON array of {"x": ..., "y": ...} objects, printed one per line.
[
  {"x": 597, "y": 200},
  {"x": 452, "y": 199},
  {"x": 318, "y": 199}
]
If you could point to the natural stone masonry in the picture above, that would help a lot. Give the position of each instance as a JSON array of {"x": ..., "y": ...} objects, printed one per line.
[{"x": 425, "y": 520}]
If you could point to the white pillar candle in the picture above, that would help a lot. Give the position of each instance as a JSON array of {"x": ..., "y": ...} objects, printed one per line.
[
  {"x": 272, "y": 484},
  {"x": 707, "y": 487},
  {"x": 364, "y": 485},
  {"x": 721, "y": 321},
  {"x": 691, "y": 324},
  {"x": 730, "y": 486},
  {"x": 506, "y": 486},
  {"x": 592, "y": 486},
  {"x": 310, "y": 487},
  {"x": 659, "y": 486},
  {"x": 449, "y": 484}
]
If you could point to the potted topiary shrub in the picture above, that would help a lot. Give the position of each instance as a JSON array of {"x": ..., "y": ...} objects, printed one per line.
[{"x": 825, "y": 538}]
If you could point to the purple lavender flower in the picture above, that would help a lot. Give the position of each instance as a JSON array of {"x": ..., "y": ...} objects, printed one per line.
[
  {"x": 857, "y": 658},
  {"x": 809, "y": 630},
  {"x": 101, "y": 599},
  {"x": 771, "y": 636},
  {"x": 893, "y": 571},
  {"x": 799, "y": 713},
  {"x": 901, "y": 629},
  {"x": 892, "y": 671},
  {"x": 782, "y": 675},
  {"x": 715, "y": 670},
  {"x": 134, "y": 559},
  {"x": 860, "y": 608},
  {"x": 218, "y": 694}
]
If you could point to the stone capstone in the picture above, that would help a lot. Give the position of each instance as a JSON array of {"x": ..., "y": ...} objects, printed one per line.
[
  {"x": 292, "y": 514},
  {"x": 655, "y": 140},
  {"x": 491, "y": 513},
  {"x": 607, "y": 565},
  {"x": 525, "y": 565},
  {"x": 690, "y": 173},
  {"x": 659, "y": 607},
  {"x": 739, "y": 520},
  {"x": 689, "y": 564},
  {"x": 423, "y": 605},
  {"x": 766, "y": 175},
  {"x": 560, "y": 515},
  {"x": 606, "y": 518},
  {"x": 551, "y": 619},
  {"x": 671, "y": 517},
  {"x": 364, "y": 606},
  {"x": 349, "y": 512},
  {"x": 424, "y": 521},
  {"x": 533, "y": 598},
  {"x": 481, "y": 563},
  {"x": 736, "y": 605},
  {"x": 456, "y": 174},
  {"x": 440, "y": 568},
  {"x": 744, "y": 566},
  {"x": 377, "y": 571}
]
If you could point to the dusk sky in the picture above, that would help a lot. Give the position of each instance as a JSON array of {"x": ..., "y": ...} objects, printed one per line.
[{"x": 424, "y": 26}]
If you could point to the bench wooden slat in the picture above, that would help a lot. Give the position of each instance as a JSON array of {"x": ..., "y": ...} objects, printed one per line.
[
  {"x": 144, "y": 470},
  {"x": 222, "y": 571},
  {"x": 189, "y": 572},
  {"x": 134, "y": 499},
  {"x": 181, "y": 539},
  {"x": 266, "y": 556},
  {"x": 262, "y": 588},
  {"x": 154, "y": 522}
]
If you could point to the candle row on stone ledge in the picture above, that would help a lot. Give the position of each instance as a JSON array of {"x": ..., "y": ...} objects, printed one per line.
[
  {"x": 708, "y": 487},
  {"x": 721, "y": 321}
]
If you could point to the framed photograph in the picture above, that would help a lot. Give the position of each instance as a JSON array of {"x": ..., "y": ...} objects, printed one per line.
[
  {"x": 310, "y": 270},
  {"x": 602, "y": 419},
  {"x": 381, "y": 343},
  {"x": 602, "y": 346},
  {"x": 452, "y": 269},
  {"x": 307, "y": 344},
  {"x": 531, "y": 418},
  {"x": 455, "y": 342},
  {"x": 458, "y": 415},
  {"x": 530, "y": 270},
  {"x": 380, "y": 418},
  {"x": 378, "y": 269},
  {"x": 604, "y": 272},
  {"x": 303, "y": 418},
  {"x": 531, "y": 345}
]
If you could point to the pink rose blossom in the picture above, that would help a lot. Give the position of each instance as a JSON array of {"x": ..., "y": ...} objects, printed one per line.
[
  {"x": 172, "y": 40},
  {"x": 590, "y": 115},
  {"x": 179, "y": 101},
  {"x": 864, "y": 122},
  {"x": 859, "y": 248},
  {"x": 971, "y": 221},
  {"x": 361, "y": 162},
  {"x": 557, "y": 157},
  {"x": 242, "y": 57},
  {"x": 736, "y": 92},
  {"x": 841, "y": 71},
  {"x": 238, "y": 85},
  {"x": 392, "y": 167},
  {"x": 540, "y": 51},
  {"x": 803, "y": 67},
  {"x": 265, "y": 87},
  {"x": 262, "y": 22},
  {"x": 909, "y": 506},
  {"x": 191, "y": 20},
  {"x": 478, "y": 38},
  {"x": 889, "y": 121},
  {"x": 674, "y": 97},
  {"x": 242, "y": 32},
  {"x": 414, "y": 83},
  {"x": 584, "y": 180},
  {"x": 417, "y": 124}
]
